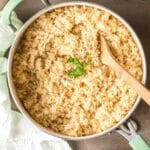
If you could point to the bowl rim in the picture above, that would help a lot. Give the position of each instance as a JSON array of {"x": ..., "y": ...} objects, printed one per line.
[{"x": 17, "y": 40}]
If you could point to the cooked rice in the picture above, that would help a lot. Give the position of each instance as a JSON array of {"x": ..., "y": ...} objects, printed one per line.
[{"x": 81, "y": 106}]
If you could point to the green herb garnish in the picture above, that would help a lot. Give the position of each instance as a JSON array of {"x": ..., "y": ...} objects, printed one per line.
[{"x": 79, "y": 69}]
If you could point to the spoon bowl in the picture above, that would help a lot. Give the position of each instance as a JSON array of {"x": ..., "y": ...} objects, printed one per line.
[{"x": 108, "y": 59}]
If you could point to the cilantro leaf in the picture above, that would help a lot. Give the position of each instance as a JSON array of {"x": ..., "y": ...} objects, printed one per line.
[
  {"x": 75, "y": 61},
  {"x": 79, "y": 69}
]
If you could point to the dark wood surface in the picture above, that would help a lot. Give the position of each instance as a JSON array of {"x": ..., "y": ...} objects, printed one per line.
[{"x": 137, "y": 13}]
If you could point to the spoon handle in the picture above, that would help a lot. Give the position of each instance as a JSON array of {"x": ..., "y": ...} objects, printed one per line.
[{"x": 131, "y": 81}]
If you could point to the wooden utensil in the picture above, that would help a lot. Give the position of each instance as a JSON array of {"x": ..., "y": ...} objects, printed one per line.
[{"x": 108, "y": 59}]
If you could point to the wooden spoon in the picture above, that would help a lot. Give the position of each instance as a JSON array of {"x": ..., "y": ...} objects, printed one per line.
[{"x": 108, "y": 59}]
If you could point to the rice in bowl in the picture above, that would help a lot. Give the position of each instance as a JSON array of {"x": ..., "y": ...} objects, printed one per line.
[{"x": 85, "y": 105}]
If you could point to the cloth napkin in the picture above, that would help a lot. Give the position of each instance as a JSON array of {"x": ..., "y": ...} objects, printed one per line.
[{"x": 17, "y": 133}]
